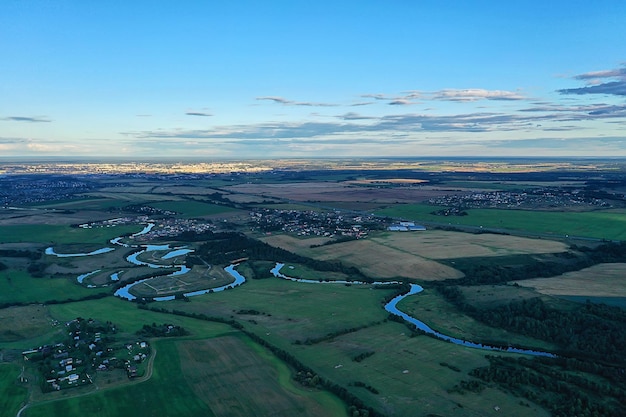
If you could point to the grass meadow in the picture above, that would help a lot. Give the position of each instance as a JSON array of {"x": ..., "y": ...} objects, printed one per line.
[
  {"x": 17, "y": 286},
  {"x": 408, "y": 373},
  {"x": 12, "y": 395},
  {"x": 601, "y": 224},
  {"x": 288, "y": 313}
]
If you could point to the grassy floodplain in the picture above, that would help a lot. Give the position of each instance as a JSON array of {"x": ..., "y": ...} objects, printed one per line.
[
  {"x": 440, "y": 315},
  {"x": 299, "y": 318},
  {"x": 20, "y": 287},
  {"x": 601, "y": 224}
]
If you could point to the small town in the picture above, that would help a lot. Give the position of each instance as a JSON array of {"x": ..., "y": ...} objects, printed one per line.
[
  {"x": 315, "y": 223},
  {"x": 534, "y": 198},
  {"x": 90, "y": 347}
]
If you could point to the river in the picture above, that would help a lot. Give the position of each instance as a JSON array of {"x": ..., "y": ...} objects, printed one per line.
[
  {"x": 239, "y": 279},
  {"x": 391, "y": 307}
]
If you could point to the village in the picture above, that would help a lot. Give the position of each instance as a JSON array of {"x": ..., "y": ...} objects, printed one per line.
[
  {"x": 315, "y": 223},
  {"x": 89, "y": 348},
  {"x": 544, "y": 198}
]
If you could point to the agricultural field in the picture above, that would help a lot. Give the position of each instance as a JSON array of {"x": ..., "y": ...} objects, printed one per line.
[
  {"x": 414, "y": 254},
  {"x": 235, "y": 377},
  {"x": 437, "y": 244},
  {"x": 373, "y": 259},
  {"x": 346, "y": 192},
  {"x": 602, "y": 283},
  {"x": 601, "y": 224},
  {"x": 11, "y": 395},
  {"x": 19, "y": 323}
]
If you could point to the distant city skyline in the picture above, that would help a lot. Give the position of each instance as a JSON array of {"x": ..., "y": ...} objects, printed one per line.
[{"x": 290, "y": 79}]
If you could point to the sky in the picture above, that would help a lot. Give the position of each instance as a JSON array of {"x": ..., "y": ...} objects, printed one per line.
[{"x": 298, "y": 79}]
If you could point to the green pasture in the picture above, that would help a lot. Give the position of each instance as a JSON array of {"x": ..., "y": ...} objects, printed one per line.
[
  {"x": 51, "y": 234},
  {"x": 601, "y": 224},
  {"x": 130, "y": 319},
  {"x": 12, "y": 395},
  {"x": 292, "y": 310},
  {"x": 20, "y": 287},
  {"x": 189, "y": 209},
  {"x": 285, "y": 379},
  {"x": 407, "y": 373}
]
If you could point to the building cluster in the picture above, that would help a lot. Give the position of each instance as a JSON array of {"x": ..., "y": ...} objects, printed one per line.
[
  {"x": 163, "y": 228},
  {"x": 314, "y": 223},
  {"x": 404, "y": 226},
  {"x": 89, "y": 347},
  {"x": 27, "y": 190},
  {"x": 531, "y": 199},
  {"x": 172, "y": 227}
]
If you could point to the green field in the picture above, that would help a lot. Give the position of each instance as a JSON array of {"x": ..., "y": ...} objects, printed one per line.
[
  {"x": 190, "y": 209},
  {"x": 408, "y": 374},
  {"x": 12, "y": 395},
  {"x": 602, "y": 224},
  {"x": 57, "y": 234},
  {"x": 289, "y": 313},
  {"x": 20, "y": 287},
  {"x": 91, "y": 203}
]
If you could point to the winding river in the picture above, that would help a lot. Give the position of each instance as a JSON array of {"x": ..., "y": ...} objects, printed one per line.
[
  {"x": 391, "y": 307},
  {"x": 239, "y": 279}
]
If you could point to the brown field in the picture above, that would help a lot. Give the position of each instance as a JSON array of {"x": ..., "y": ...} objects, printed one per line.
[
  {"x": 603, "y": 280},
  {"x": 23, "y": 322},
  {"x": 187, "y": 190},
  {"x": 372, "y": 258},
  {"x": 330, "y": 191},
  {"x": 414, "y": 254},
  {"x": 436, "y": 244},
  {"x": 293, "y": 243},
  {"x": 387, "y": 181},
  {"x": 233, "y": 379}
]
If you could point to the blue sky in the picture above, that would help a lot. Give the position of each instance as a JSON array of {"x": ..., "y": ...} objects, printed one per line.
[{"x": 265, "y": 79}]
